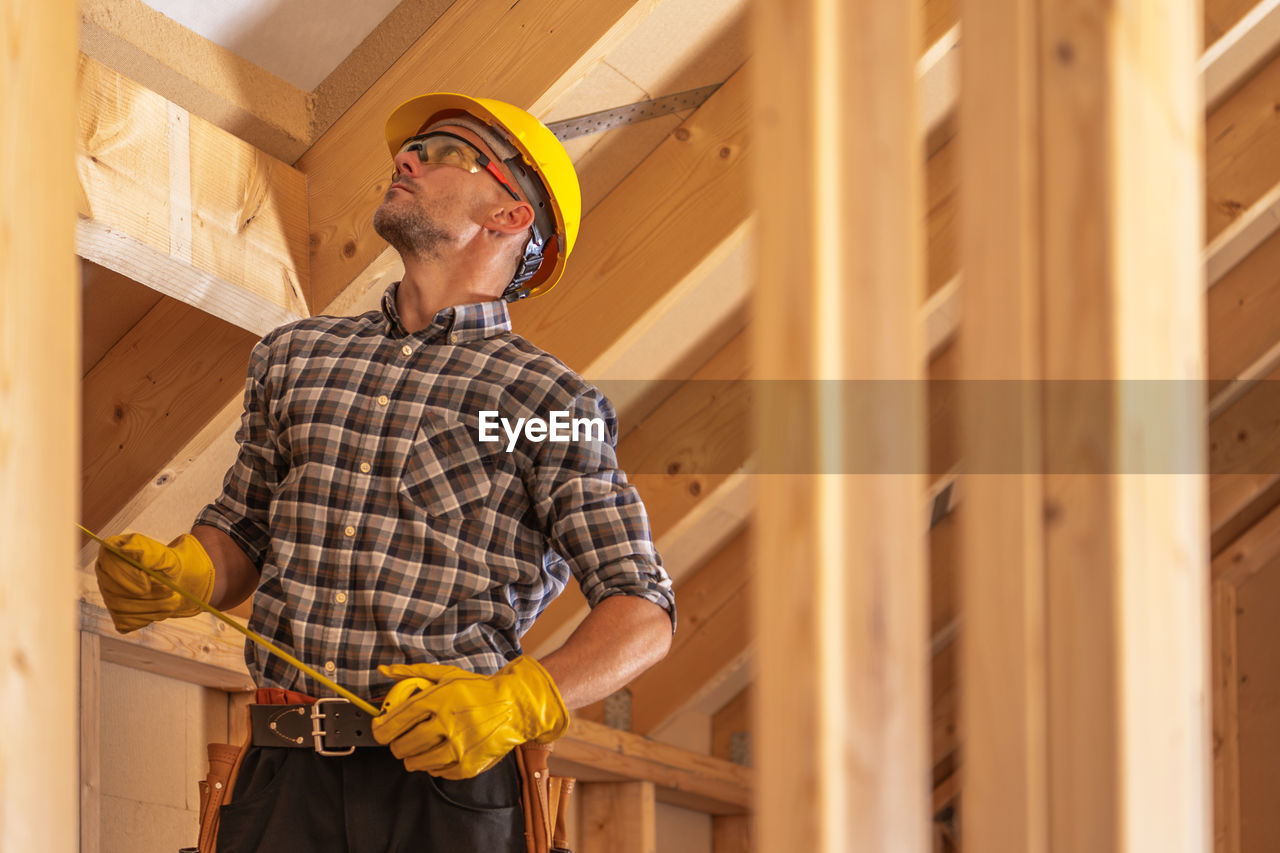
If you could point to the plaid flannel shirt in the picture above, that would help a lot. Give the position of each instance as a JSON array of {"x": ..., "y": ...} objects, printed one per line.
[{"x": 385, "y": 531}]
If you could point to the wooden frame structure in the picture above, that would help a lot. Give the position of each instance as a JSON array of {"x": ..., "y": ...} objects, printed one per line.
[{"x": 158, "y": 421}]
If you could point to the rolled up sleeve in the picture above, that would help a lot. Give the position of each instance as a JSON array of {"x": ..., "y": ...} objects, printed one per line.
[{"x": 594, "y": 517}]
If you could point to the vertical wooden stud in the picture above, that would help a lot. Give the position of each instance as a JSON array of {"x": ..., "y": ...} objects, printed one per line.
[
  {"x": 90, "y": 742},
  {"x": 1086, "y": 583},
  {"x": 841, "y": 732},
  {"x": 39, "y": 411},
  {"x": 617, "y": 817}
]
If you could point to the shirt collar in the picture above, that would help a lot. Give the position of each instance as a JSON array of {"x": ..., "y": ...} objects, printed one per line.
[{"x": 474, "y": 321}]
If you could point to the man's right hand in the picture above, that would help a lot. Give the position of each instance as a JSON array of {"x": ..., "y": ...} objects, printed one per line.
[{"x": 133, "y": 598}]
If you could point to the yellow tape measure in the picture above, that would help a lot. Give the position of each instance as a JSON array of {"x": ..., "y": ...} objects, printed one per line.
[{"x": 252, "y": 635}]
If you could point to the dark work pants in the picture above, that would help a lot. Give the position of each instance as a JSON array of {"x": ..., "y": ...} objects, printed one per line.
[{"x": 295, "y": 801}]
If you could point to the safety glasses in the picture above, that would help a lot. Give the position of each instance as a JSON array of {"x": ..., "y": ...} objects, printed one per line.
[{"x": 448, "y": 149}]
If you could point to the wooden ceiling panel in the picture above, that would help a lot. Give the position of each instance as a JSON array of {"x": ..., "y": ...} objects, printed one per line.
[
  {"x": 160, "y": 383},
  {"x": 1242, "y": 141},
  {"x": 111, "y": 304},
  {"x": 1244, "y": 314},
  {"x": 1221, "y": 15}
]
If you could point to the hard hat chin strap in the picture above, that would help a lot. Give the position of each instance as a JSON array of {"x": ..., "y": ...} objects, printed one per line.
[{"x": 530, "y": 263}]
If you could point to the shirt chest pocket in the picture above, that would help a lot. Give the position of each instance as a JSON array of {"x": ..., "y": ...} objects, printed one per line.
[{"x": 445, "y": 472}]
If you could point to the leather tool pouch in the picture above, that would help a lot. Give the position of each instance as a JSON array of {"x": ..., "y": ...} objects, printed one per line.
[
  {"x": 545, "y": 799},
  {"x": 216, "y": 788}
]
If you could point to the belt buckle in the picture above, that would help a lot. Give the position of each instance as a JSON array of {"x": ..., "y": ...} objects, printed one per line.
[{"x": 317, "y": 731}]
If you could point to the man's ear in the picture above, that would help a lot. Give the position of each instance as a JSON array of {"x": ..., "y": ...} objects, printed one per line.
[{"x": 511, "y": 218}]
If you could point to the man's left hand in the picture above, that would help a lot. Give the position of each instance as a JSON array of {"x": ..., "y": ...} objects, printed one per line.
[{"x": 457, "y": 724}]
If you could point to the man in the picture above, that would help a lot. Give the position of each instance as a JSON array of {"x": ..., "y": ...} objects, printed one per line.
[{"x": 391, "y": 546}]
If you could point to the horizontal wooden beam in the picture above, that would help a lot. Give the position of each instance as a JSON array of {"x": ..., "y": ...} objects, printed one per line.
[
  {"x": 199, "y": 650},
  {"x": 187, "y": 208},
  {"x": 205, "y": 78},
  {"x": 527, "y": 54},
  {"x": 594, "y": 752}
]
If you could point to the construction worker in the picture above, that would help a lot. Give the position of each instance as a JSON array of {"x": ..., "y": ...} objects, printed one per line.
[{"x": 385, "y": 542}]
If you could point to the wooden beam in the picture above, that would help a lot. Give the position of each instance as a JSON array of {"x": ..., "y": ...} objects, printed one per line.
[
  {"x": 1231, "y": 59},
  {"x": 160, "y": 384},
  {"x": 842, "y": 684},
  {"x": 618, "y": 817},
  {"x": 730, "y": 725},
  {"x": 39, "y": 363},
  {"x": 1240, "y": 138},
  {"x": 90, "y": 742},
  {"x": 649, "y": 239},
  {"x": 1002, "y": 575},
  {"x": 1226, "y": 720},
  {"x": 186, "y": 208},
  {"x": 526, "y": 54},
  {"x": 1066, "y": 593},
  {"x": 1244, "y": 458},
  {"x": 714, "y": 634},
  {"x": 593, "y": 752},
  {"x": 211, "y": 81},
  {"x": 200, "y": 649},
  {"x": 1257, "y": 691}
]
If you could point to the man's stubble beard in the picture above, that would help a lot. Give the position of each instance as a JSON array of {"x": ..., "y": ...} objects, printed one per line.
[{"x": 410, "y": 230}]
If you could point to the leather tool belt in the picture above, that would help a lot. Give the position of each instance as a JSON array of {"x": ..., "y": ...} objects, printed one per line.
[
  {"x": 282, "y": 718},
  {"x": 328, "y": 726}
]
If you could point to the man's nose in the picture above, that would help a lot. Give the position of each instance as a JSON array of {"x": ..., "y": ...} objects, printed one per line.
[{"x": 408, "y": 163}]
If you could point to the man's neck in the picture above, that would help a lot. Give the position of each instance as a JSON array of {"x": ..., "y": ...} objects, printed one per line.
[{"x": 428, "y": 287}]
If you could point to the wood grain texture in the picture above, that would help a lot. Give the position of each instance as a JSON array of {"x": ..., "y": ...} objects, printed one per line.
[
  {"x": 649, "y": 237},
  {"x": 527, "y": 54},
  {"x": 1241, "y": 138},
  {"x": 90, "y": 742},
  {"x": 1243, "y": 308},
  {"x": 39, "y": 363},
  {"x": 1258, "y": 696},
  {"x": 593, "y": 752},
  {"x": 1001, "y": 551},
  {"x": 714, "y": 632},
  {"x": 617, "y": 817},
  {"x": 199, "y": 650},
  {"x": 842, "y": 731},
  {"x": 1092, "y": 112},
  {"x": 161, "y": 185},
  {"x": 1226, "y": 720},
  {"x": 160, "y": 384}
]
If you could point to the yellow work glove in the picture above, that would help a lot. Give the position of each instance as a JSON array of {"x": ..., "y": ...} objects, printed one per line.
[
  {"x": 134, "y": 599},
  {"x": 457, "y": 724}
]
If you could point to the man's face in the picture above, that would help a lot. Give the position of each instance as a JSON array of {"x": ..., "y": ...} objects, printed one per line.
[{"x": 429, "y": 204}]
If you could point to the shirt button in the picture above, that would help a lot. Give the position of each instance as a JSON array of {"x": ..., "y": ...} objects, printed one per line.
[
  {"x": 329, "y": 666},
  {"x": 383, "y": 400},
  {"x": 453, "y": 339},
  {"x": 350, "y": 531},
  {"x": 406, "y": 349},
  {"x": 364, "y": 468},
  {"x": 341, "y": 598}
]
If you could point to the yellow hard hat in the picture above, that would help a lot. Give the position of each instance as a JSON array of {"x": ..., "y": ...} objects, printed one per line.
[{"x": 542, "y": 169}]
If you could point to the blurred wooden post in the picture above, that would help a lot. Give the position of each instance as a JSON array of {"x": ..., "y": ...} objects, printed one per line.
[
  {"x": 841, "y": 736},
  {"x": 39, "y": 420},
  {"x": 1085, "y": 579},
  {"x": 618, "y": 817}
]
